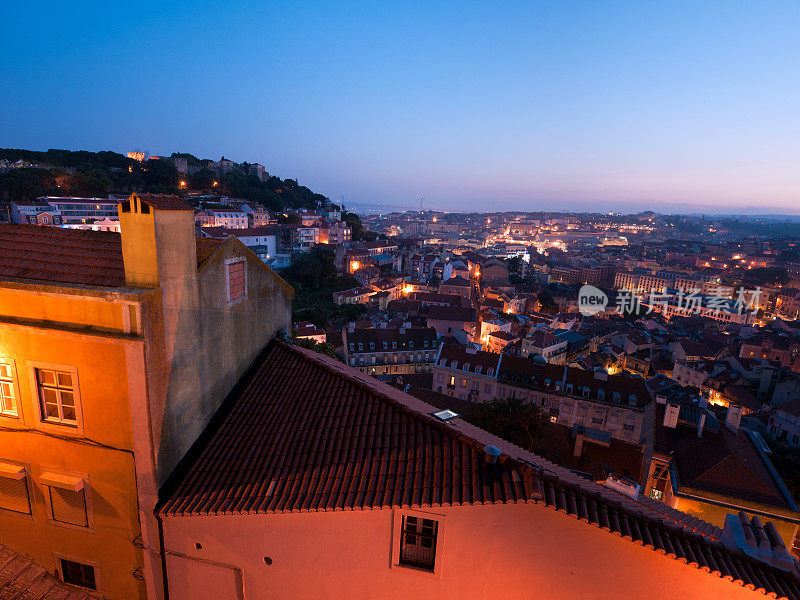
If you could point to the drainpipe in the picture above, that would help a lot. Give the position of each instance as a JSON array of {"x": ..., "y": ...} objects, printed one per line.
[{"x": 163, "y": 553}]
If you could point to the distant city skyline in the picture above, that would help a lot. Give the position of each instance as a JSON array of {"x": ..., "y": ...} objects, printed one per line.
[{"x": 532, "y": 106}]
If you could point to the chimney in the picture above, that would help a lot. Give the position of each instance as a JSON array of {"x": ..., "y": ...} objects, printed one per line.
[
  {"x": 733, "y": 418},
  {"x": 576, "y": 452},
  {"x": 159, "y": 247},
  {"x": 701, "y": 423},
  {"x": 671, "y": 415}
]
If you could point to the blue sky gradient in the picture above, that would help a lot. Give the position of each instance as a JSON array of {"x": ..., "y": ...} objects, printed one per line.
[{"x": 473, "y": 105}]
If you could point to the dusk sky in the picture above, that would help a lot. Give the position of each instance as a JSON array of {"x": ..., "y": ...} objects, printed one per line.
[{"x": 671, "y": 106}]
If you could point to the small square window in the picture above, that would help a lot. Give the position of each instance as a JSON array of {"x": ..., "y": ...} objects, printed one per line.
[
  {"x": 418, "y": 539},
  {"x": 57, "y": 399},
  {"x": 79, "y": 574}
]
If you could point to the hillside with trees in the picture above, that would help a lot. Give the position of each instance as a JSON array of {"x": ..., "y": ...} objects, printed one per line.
[{"x": 83, "y": 173}]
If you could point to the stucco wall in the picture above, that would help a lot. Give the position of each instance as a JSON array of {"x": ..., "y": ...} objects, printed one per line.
[
  {"x": 103, "y": 454},
  {"x": 501, "y": 551},
  {"x": 214, "y": 344}
]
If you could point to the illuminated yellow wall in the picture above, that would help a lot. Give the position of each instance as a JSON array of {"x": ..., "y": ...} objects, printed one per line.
[{"x": 45, "y": 332}]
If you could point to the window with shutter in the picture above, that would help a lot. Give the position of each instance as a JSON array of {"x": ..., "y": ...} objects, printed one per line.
[
  {"x": 14, "y": 495},
  {"x": 68, "y": 506}
]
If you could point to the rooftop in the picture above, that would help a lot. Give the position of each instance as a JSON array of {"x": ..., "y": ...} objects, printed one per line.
[
  {"x": 302, "y": 432},
  {"x": 69, "y": 256}
]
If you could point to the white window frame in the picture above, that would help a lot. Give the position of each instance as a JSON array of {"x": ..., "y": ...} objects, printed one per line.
[
  {"x": 14, "y": 390},
  {"x": 87, "y": 496},
  {"x": 228, "y": 263},
  {"x": 397, "y": 525},
  {"x": 41, "y": 421}
]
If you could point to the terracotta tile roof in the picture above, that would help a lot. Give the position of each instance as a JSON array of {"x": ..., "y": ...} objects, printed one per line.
[
  {"x": 302, "y": 432},
  {"x": 457, "y": 281},
  {"x": 164, "y": 202},
  {"x": 456, "y": 356},
  {"x": 323, "y": 438},
  {"x": 21, "y": 578},
  {"x": 451, "y": 313},
  {"x": 608, "y": 389},
  {"x": 420, "y": 338},
  {"x": 58, "y": 255},
  {"x": 721, "y": 462},
  {"x": 70, "y": 256},
  {"x": 205, "y": 248}
]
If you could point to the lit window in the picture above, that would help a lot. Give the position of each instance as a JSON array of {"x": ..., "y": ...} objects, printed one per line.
[
  {"x": 57, "y": 397},
  {"x": 237, "y": 281},
  {"x": 418, "y": 542},
  {"x": 79, "y": 574},
  {"x": 8, "y": 396}
]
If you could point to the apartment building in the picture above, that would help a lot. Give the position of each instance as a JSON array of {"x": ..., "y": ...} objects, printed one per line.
[
  {"x": 35, "y": 212},
  {"x": 466, "y": 373},
  {"x": 384, "y": 351},
  {"x": 115, "y": 350},
  {"x": 545, "y": 344},
  {"x": 75, "y": 210},
  {"x": 619, "y": 406}
]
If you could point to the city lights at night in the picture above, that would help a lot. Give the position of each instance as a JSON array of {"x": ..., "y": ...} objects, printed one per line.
[{"x": 453, "y": 301}]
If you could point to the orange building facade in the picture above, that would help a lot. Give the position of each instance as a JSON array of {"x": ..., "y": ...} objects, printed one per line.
[{"x": 115, "y": 351}]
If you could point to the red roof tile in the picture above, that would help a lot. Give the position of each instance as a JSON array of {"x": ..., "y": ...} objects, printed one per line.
[
  {"x": 164, "y": 202},
  {"x": 23, "y": 579},
  {"x": 317, "y": 440},
  {"x": 69, "y": 256},
  {"x": 302, "y": 432},
  {"x": 59, "y": 255}
]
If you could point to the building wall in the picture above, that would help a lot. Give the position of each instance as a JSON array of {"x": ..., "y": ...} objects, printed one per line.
[
  {"x": 515, "y": 551},
  {"x": 102, "y": 452},
  {"x": 210, "y": 344}
]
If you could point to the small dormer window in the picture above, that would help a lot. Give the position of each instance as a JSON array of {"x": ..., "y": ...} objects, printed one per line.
[
  {"x": 601, "y": 394},
  {"x": 631, "y": 399},
  {"x": 478, "y": 369},
  {"x": 616, "y": 397},
  {"x": 394, "y": 344},
  {"x": 454, "y": 364},
  {"x": 411, "y": 344},
  {"x": 490, "y": 372},
  {"x": 425, "y": 343},
  {"x": 360, "y": 347},
  {"x": 466, "y": 366},
  {"x": 569, "y": 388},
  {"x": 585, "y": 392},
  {"x": 385, "y": 345},
  {"x": 372, "y": 345},
  {"x": 352, "y": 346}
]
